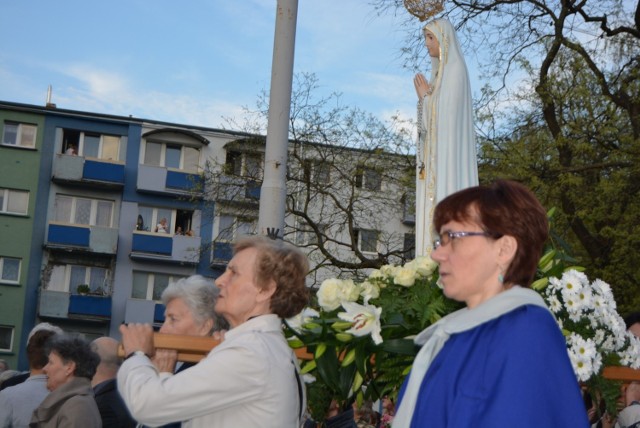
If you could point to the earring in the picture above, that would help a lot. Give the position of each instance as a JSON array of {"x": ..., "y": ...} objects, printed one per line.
[{"x": 501, "y": 278}]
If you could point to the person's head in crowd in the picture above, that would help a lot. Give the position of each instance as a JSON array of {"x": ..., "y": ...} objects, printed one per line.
[
  {"x": 107, "y": 350},
  {"x": 265, "y": 276},
  {"x": 632, "y": 322},
  {"x": 189, "y": 307},
  {"x": 4, "y": 365},
  {"x": 69, "y": 356},
  {"x": 37, "y": 350},
  {"x": 44, "y": 326},
  {"x": 491, "y": 238}
]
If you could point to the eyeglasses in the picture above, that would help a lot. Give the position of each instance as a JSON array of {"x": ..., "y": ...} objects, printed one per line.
[{"x": 448, "y": 236}]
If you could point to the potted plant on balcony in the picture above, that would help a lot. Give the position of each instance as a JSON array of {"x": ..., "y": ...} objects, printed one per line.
[{"x": 83, "y": 289}]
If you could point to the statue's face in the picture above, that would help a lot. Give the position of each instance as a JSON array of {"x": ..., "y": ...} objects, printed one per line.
[{"x": 431, "y": 43}]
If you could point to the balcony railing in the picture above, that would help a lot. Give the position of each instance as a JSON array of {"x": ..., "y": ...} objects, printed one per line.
[
  {"x": 61, "y": 304},
  {"x": 222, "y": 253},
  {"x": 161, "y": 246},
  {"x": 156, "y": 179},
  {"x": 94, "y": 172},
  {"x": 94, "y": 239}
]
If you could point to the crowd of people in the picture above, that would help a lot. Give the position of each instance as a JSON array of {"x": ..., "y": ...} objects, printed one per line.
[{"x": 500, "y": 361}]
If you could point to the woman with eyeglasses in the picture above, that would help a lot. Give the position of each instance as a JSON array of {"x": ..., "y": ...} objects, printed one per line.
[{"x": 501, "y": 361}]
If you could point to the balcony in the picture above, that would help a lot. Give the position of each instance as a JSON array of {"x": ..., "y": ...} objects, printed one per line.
[
  {"x": 144, "y": 311},
  {"x": 222, "y": 253},
  {"x": 167, "y": 248},
  {"x": 79, "y": 237},
  {"x": 156, "y": 179},
  {"x": 238, "y": 191},
  {"x": 62, "y": 304},
  {"x": 94, "y": 172}
]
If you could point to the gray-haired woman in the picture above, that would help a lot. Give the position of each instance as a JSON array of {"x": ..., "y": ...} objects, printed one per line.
[{"x": 70, "y": 368}]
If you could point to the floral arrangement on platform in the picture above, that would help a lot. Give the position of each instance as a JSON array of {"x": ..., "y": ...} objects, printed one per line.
[
  {"x": 361, "y": 333},
  {"x": 596, "y": 334}
]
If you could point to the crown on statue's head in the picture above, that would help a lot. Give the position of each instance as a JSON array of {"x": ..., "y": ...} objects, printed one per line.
[{"x": 424, "y": 9}]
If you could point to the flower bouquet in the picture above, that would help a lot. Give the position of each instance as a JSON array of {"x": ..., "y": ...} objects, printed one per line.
[{"x": 361, "y": 333}]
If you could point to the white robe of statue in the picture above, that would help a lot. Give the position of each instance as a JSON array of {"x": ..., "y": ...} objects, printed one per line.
[{"x": 446, "y": 149}]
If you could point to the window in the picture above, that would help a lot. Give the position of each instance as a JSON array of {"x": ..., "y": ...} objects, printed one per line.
[
  {"x": 172, "y": 156},
  {"x": 317, "y": 170},
  {"x": 94, "y": 277},
  {"x": 9, "y": 270},
  {"x": 367, "y": 241},
  {"x": 19, "y": 135},
  {"x": 92, "y": 212},
  {"x": 6, "y": 338},
  {"x": 307, "y": 236},
  {"x": 176, "y": 221},
  {"x": 92, "y": 145},
  {"x": 149, "y": 286},
  {"x": 369, "y": 179},
  {"x": 14, "y": 201},
  {"x": 409, "y": 247},
  {"x": 247, "y": 165},
  {"x": 231, "y": 228}
]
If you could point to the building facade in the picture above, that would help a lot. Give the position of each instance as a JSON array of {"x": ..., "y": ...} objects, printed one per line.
[{"x": 99, "y": 213}]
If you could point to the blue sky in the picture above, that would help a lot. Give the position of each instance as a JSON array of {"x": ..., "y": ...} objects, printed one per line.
[{"x": 194, "y": 62}]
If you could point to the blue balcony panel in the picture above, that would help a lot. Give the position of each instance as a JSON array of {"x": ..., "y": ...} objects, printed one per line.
[
  {"x": 97, "y": 306},
  {"x": 69, "y": 235},
  {"x": 183, "y": 181},
  {"x": 103, "y": 171},
  {"x": 222, "y": 252},
  {"x": 152, "y": 243},
  {"x": 158, "y": 313}
]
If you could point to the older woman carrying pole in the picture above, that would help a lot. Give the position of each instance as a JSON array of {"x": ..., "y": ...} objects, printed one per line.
[{"x": 251, "y": 378}]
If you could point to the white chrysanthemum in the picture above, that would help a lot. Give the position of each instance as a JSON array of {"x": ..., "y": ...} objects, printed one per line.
[
  {"x": 555, "y": 284},
  {"x": 603, "y": 289},
  {"x": 573, "y": 279},
  {"x": 584, "y": 357},
  {"x": 554, "y": 304}
]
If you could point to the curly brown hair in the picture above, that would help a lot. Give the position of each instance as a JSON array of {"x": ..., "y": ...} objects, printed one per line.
[{"x": 287, "y": 266}]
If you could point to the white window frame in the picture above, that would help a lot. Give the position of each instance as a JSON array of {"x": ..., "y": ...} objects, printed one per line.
[
  {"x": 236, "y": 226},
  {"x": 365, "y": 183},
  {"x": 9, "y": 281},
  {"x": 100, "y": 145},
  {"x": 360, "y": 240},
  {"x": 244, "y": 165},
  {"x": 151, "y": 282},
  {"x": 12, "y": 331},
  {"x": 19, "y": 134},
  {"x": 72, "y": 288},
  {"x": 5, "y": 201},
  {"x": 93, "y": 214},
  {"x": 163, "y": 155}
]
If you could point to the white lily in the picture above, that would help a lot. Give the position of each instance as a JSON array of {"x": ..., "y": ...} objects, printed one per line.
[{"x": 365, "y": 319}]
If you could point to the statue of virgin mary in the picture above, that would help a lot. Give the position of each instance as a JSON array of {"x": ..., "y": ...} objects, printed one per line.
[{"x": 446, "y": 148}]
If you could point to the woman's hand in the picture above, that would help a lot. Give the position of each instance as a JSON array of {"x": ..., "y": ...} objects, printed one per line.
[
  {"x": 422, "y": 86},
  {"x": 137, "y": 337},
  {"x": 165, "y": 360}
]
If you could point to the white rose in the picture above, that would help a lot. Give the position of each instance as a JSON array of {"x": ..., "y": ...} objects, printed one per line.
[
  {"x": 369, "y": 291},
  {"x": 405, "y": 276},
  {"x": 424, "y": 266},
  {"x": 329, "y": 294},
  {"x": 350, "y": 291}
]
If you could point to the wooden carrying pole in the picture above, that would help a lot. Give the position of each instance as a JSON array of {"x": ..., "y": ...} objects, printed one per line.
[{"x": 194, "y": 348}]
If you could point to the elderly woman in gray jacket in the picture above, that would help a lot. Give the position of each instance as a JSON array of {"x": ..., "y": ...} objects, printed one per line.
[{"x": 70, "y": 368}]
